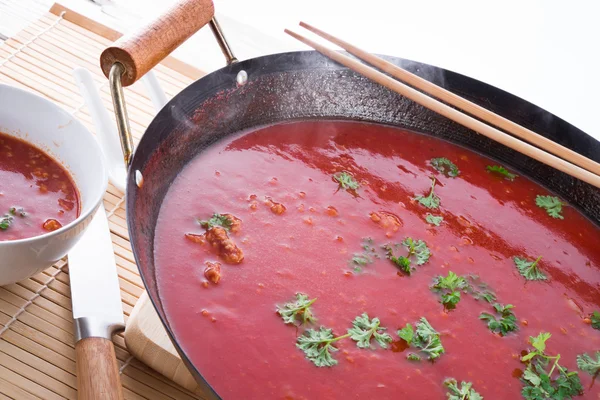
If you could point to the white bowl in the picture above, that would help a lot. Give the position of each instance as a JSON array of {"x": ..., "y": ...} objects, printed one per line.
[{"x": 52, "y": 129}]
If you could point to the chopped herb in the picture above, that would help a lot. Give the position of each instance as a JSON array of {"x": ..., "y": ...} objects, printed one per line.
[
  {"x": 6, "y": 221},
  {"x": 363, "y": 329},
  {"x": 480, "y": 290},
  {"x": 418, "y": 249},
  {"x": 433, "y": 220},
  {"x": 587, "y": 364},
  {"x": 506, "y": 323},
  {"x": 450, "y": 288},
  {"x": 595, "y": 317},
  {"x": 216, "y": 220},
  {"x": 539, "y": 383},
  {"x": 498, "y": 169},
  {"x": 17, "y": 211},
  {"x": 425, "y": 338},
  {"x": 346, "y": 181},
  {"x": 413, "y": 357},
  {"x": 551, "y": 204},
  {"x": 464, "y": 392},
  {"x": 432, "y": 201},
  {"x": 298, "y": 310},
  {"x": 445, "y": 166},
  {"x": 317, "y": 346},
  {"x": 360, "y": 260},
  {"x": 407, "y": 333},
  {"x": 529, "y": 269}
]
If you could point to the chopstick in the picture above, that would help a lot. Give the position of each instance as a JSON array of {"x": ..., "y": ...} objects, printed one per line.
[
  {"x": 450, "y": 98},
  {"x": 455, "y": 115}
]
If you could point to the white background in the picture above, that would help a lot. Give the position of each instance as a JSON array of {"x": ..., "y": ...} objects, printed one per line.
[{"x": 546, "y": 51}]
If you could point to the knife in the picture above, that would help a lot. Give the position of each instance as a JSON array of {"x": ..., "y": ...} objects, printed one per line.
[{"x": 97, "y": 311}]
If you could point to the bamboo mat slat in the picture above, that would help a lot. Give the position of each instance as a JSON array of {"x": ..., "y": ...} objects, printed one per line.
[{"x": 37, "y": 356}]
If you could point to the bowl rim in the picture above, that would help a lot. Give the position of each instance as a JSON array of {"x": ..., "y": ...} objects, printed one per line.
[{"x": 93, "y": 202}]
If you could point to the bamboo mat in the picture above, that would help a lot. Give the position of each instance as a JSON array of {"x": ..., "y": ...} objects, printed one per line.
[{"x": 37, "y": 356}]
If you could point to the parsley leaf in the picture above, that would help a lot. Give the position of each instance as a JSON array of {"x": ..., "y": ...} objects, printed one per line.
[
  {"x": 498, "y": 169},
  {"x": 216, "y": 220},
  {"x": 418, "y": 249},
  {"x": 298, "y": 310},
  {"x": 425, "y": 338},
  {"x": 432, "y": 201},
  {"x": 407, "y": 333},
  {"x": 346, "y": 181},
  {"x": 530, "y": 270},
  {"x": 433, "y": 220},
  {"x": 318, "y": 345},
  {"x": 364, "y": 329},
  {"x": 413, "y": 357},
  {"x": 6, "y": 221},
  {"x": 552, "y": 204},
  {"x": 450, "y": 288},
  {"x": 445, "y": 166},
  {"x": 506, "y": 323},
  {"x": 465, "y": 392},
  {"x": 595, "y": 317},
  {"x": 587, "y": 364},
  {"x": 17, "y": 211},
  {"x": 360, "y": 260},
  {"x": 539, "y": 383}
]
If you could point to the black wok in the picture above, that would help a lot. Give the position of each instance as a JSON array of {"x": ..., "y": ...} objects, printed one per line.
[{"x": 306, "y": 85}]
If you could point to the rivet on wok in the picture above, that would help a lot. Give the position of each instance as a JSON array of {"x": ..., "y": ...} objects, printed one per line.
[
  {"x": 241, "y": 78},
  {"x": 139, "y": 179}
]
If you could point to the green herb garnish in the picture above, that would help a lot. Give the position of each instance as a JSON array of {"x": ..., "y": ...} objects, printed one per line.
[
  {"x": 17, "y": 211},
  {"x": 425, "y": 338},
  {"x": 539, "y": 383},
  {"x": 450, "y": 288},
  {"x": 346, "y": 181},
  {"x": 506, "y": 321},
  {"x": 464, "y": 392},
  {"x": 530, "y": 269},
  {"x": 432, "y": 201},
  {"x": 551, "y": 204},
  {"x": 498, "y": 169},
  {"x": 6, "y": 221},
  {"x": 595, "y": 317},
  {"x": 365, "y": 258},
  {"x": 363, "y": 329},
  {"x": 417, "y": 248},
  {"x": 216, "y": 220},
  {"x": 317, "y": 346},
  {"x": 587, "y": 364},
  {"x": 445, "y": 166},
  {"x": 433, "y": 220},
  {"x": 298, "y": 310}
]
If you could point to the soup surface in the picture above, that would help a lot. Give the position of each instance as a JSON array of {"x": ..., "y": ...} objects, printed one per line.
[
  {"x": 343, "y": 213},
  {"x": 37, "y": 195}
]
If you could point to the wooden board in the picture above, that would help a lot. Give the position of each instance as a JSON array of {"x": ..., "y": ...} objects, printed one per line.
[
  {"x": 37, "y": 356},
  {"x": 147, "y": 340}
]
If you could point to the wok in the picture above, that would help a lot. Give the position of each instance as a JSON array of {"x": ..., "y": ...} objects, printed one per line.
[{"x": 297, "y": 86}]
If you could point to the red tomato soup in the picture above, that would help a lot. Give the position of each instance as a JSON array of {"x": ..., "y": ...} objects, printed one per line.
[
  {"x": 37, "y": 195},
  {"x": 273, "y": 245}
]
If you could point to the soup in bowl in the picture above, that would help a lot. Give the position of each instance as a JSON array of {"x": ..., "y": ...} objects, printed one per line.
[{"x": 52, "y": 180}]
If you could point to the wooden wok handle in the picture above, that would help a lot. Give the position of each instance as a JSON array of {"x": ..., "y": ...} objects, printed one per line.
[
  {"x": 140, "y": 51},
  {"x": 97, "y": 370}
]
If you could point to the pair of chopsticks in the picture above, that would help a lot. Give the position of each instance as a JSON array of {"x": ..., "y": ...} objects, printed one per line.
[{"x": 547, "y": 152}]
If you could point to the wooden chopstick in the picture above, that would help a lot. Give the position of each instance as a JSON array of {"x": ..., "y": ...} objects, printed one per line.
[
  {"x": 453, "y": 114},
  {"x": 448, "y": 97}
]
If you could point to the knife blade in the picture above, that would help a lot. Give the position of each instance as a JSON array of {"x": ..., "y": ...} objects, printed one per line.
[{"x": 97, "y": 311}]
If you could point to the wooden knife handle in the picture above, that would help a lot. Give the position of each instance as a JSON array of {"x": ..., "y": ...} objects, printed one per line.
[
  {"x": 97, "y": 370},
  {"x": 140, "y": 51}
]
